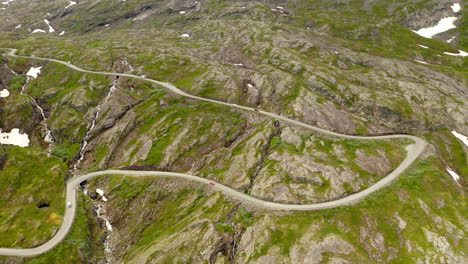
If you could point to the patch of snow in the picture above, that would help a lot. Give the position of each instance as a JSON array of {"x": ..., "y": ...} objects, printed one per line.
[
  {"x": 51, "y": 29},
  {"x": 106, "y": 25},
  {"x": 423, "y": 62},
  {"x": 4, "y": 93},
  {"x": 454, "y": 175},
  {"x": 38, "y": 31},
  {"x": 143, "y": 76},
  {"x": 185, "y": 35},
  {"x": 451, "y": 39},
  {"x": 422, "y": 46},
  {"x": 280, "y": 7},
  {"x": 71, "y": 4},
  {"x": 34, "y": 72},
  {"x": 104, "y": 198},
  {"x": 18, "y": 26},
  {"x": 100, "y": 192},
  {"x": 62, "y": 33},
  {"x": 182, "y": 12},
  {"x": 463, "y": 138},
  {"x": 277, "y": 10},
  {"x": 238, "y": 64},
  {"x": 7, "y": 2},
  {"x": 443, "y": 25},
  {"x": 456, "y": 7},
  {"x": 250, "y": 85},
  {"x": 460, "y": 53},
  {"x": 14, "y": 138}
]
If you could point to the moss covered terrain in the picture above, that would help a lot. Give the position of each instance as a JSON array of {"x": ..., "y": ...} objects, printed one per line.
[
  {"x": 33, "y": 196},
  {"x": 416, "y": 219},
  {"x": 346, "y": 66}
]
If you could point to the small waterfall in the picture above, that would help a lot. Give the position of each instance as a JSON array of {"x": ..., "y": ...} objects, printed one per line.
[
  {"x": 126, "y": 63},
  {"x": 98, "y": 212},
  {"x": 85, "y": 141},
  {"x": 111, "y": 90},
  {"x": 48, "y": 137},
  {"x": 24, "y": 86},
  {"x": 6, "y": 66},
  {"x": 108, "y": 227},
  {"x": 93, "y": 124}
]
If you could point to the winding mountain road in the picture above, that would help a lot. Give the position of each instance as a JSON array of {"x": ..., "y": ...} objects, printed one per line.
[{"x": 413, "y": 151}]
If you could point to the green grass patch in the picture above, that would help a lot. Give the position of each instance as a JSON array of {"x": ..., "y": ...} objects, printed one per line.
[{"x": 30, "y": 178}]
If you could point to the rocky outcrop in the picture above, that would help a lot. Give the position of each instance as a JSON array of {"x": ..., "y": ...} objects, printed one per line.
[
  {"x": 374, "y": 242},
  {"x": 375, "y": 164},
  {"x": 430, "y": 17},
  {"x": 313, "y": 252}
]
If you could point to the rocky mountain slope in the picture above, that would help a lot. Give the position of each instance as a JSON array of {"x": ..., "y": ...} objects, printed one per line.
[{"x": 354, "y": 67}]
